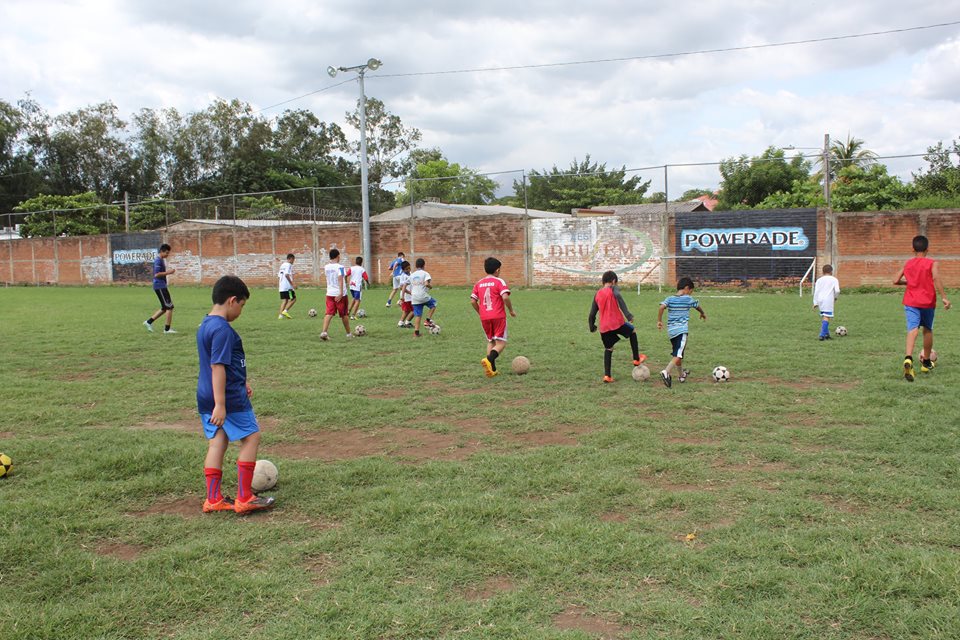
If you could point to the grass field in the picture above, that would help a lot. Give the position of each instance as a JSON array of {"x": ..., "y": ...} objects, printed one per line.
[{"x": 816, "y": 495}]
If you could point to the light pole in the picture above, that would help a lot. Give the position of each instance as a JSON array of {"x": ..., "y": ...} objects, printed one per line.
[{"x": 372, "y": 64}]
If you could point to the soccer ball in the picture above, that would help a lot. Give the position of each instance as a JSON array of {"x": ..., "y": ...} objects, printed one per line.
[
  {"x": 933, "y": 355},
  {"x": 520, "y": 365},
  {"x": 6, "y": 465},
  {"x": 721, "y": 374},
  {"x": 312, "y": 313},
  {"x": 360, "y": 330},
  {"x": 640, "y": 373},
  {"x": 361, "y": 313},
  {"x": 264, "y": 476},
  {"x": 841, "y": 331},
  {"x": 435, "y": 330}
]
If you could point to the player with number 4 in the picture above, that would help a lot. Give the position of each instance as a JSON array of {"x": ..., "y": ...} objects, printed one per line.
[{"x": 491, "y": 299}]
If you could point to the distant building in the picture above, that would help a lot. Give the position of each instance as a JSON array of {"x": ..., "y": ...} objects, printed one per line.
[
  {"x": 440, "y": 210},
  {"x": 653, "y": 208}
]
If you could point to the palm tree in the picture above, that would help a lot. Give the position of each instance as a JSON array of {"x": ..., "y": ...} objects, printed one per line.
[{"x": 850, "y": 153}]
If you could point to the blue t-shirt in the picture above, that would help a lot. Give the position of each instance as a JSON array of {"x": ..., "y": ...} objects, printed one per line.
[
  {"x": 395, "y": 265},
  {"x": 159, "y": 282},
  {"x": 218, "y": 343},
  {"x": 678, "y": 313}
]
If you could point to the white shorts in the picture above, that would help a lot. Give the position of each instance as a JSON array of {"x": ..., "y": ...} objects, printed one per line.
[{"x": 396, "y": 282}]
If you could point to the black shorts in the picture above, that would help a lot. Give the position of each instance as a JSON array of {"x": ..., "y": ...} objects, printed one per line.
[
  {"x": 611, "y": 338},
  {"x": 288, "y": 295},
  {"x": 678, "y": 344},
  {"x": 166, "y": 302}
]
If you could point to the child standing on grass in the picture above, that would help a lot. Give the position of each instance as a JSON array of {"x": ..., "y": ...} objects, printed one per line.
[
  {"x": 357, "y": 276},
  {"x": 615, "y": 321},
  {"x": 678, "y": 318},
  {"x": 491, "y": 299},
  {"x": 160, "y": 273},
  {"x": 288, "y": 292},
  {"x": 420, "y": 285},
  {"x": 223, "y": 400},
  {"x": 922, "y": 277},
  {"x": 824, "y": 295},
  {"x": 406, "y": 306},
  {"x": 336, "y": 294},
  {"x": 397, "y": 268}
]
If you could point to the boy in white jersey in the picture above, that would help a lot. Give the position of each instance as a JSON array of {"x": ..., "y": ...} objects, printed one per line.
[
  {"x": 824, "y": 295},
  {"x": 678, "y": 318},
  {"x": 336, "y": 294},
  {"x": 357, "y": 275},
  {"x": 288, "y": 292},
  {"x": 406, "y": 306},
  {"x": 420, "y": 286}
]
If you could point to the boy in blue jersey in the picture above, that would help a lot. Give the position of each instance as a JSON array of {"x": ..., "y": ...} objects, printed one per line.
[
  {"x": 397, "y": 268},
  {"x": 223, "y": 400},
  {"x": 160, "y": 273},
  {"x": 678, "y": 317}
]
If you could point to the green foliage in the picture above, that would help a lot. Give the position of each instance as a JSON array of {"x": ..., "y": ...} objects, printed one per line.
[
  {"x": 447, "y": 182},
  {"x": 746, "y": 182},
  {"x": 869, "y": 189},
  {"x": 387, "y": 140},
  {"x": 146, "y": 216},
  {"x": 693, "y": 194},
  {"x": 79, "y": 215},
  {"x": 582, "y": 185},
  {"x": 942, "y": 176}
]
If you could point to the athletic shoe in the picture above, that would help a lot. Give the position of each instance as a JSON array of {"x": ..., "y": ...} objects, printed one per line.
[
  {"x": 908, "y": 371},
  {"x": 827, "y": 337},
  {"x": 667, "y": 380},
  {"x": 488, "y": 367},
  {"x": 349, "y": 335},
  {"x": 286, "y": 315},
  {"x": 427, "y": 322},
  {"x": 225, "y": 504},
  {"x": 639, "y": 361},
  {"x": 280, "y": 317},
  {"x": 927, "y": 365},
  {"x": 400, "y": 324},
  {"x": 169, "y": 330},
  {"x": 388, "y": 304},
  {"x": 352, "y": 318},
  {"x": 148, "y": 326},
  {"x": 257, "y": 503},
  {"x": 324, "y": 336},
  {"x": 822, "y": 338},
  {"x": 683, "y": 374},
  {"x": 607, "y": 379}
]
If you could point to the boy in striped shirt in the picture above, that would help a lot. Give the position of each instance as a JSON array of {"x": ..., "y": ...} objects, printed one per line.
[
  {"x": 678, "y": 316},
  {"x": 615, "y": 321}
]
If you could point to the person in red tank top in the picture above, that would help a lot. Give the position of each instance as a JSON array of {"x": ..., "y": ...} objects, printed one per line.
[
  {"x": 615, "y": 321},
  {"x": 922, "y": 278}
]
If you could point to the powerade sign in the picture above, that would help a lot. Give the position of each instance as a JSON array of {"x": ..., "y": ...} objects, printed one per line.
[
  {"x": 709, "y": 243},
  {"x": 132, "y": 256}
]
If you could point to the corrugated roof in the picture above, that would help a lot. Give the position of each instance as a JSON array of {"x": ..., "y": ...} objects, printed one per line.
[
  {"x": 443, "y": 210},
  {"x": 656, "y": 207}
]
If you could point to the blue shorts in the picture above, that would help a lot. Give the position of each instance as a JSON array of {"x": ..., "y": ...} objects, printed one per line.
[
  {"x": 678, "y": 344},
  {"x": 355, "y": 294},
  {"x": 237, "y": 425},
  {"x": 418, "y": 308},
  {"x": 917, "y": 317},
  {"x": 826, "y": 314}
]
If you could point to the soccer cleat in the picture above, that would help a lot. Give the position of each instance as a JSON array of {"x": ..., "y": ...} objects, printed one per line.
[
  {"x": 148, "y": 326},
  {"x": 225, "y": 504},
  {"x": 280, "y": 317},
  {"x": 349, "y": 335},
  {"x": 400, "y": 324},
  {"x": 908, "y": 371},
  {"x": 169, "y": 330},
  {"x": 488, "y": 368},
  {"x": 607, "y": 379},
  {"x": 666, "y": 379},
  {"x": 388, "y": 304},
  {"x": 927, "y": 365},
  {"x": 427, "y": 322},
  {"x": 639, "y": 361},
  {"x": 352, "y": 318},
  {"x": 822, "y": 338},
  {"x": 683, "y": 374},
  {"x": 256, "y": 503},
  {"x": 286, "y": 315},
  {"x": 324, "y": 336}
]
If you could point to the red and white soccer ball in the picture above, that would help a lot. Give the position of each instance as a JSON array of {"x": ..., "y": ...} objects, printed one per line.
[
  {"x": 721, "y": 374},
  {"x": 360, "y": 330}
]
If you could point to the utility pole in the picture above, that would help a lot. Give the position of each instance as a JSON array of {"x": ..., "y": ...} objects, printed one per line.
[
  {"x": 126, "y": 211},
  {"x": 826, "y": 168}
]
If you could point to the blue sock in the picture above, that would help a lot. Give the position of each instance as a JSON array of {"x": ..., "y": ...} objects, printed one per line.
[{"x": 825, "y": 328}]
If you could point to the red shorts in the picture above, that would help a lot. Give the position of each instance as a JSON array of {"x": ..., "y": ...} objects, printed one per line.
[
  {"x": 335, "y": 308},
  {"x": 495, "y": 328},
  {"x": 406, "y": 306}
]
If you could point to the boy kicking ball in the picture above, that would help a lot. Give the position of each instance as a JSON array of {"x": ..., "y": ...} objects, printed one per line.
[
  {"x": 491, "y": 300},
  {"x": 678, "y": 320},
  {"x": 615, "y": 321}
]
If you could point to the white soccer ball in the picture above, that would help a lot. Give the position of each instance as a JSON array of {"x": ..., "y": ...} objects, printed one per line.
[
  {"x": 264, "y": 476},
  {"x": 435, "y": 329},
  {"x": 933, "y": 355},
  {"x": 312, "y": 313},
  {"x": 721, "y": 374},
  {"x": 640, "y": 373},
  {"x": 841, "y": 331},
  {"x": 361, "y": 313},
  {"x": 359, "y": 330}
]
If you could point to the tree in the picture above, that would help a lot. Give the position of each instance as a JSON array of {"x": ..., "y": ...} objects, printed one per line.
[
  {"x": 693, "y": 194},
  {"x": 582, "y": 185},
  {"x": 747, "y": 182},
  {"x": 447, "y": 183},
  {"x": 849, "y": 153},
  {"x": 387, "y": 140},
  {"x": 869, "y": 189},
  {"x": 76, "y": 215},
  {"x": 942, "y": 178},
  {"x": 20, "y": 177}
]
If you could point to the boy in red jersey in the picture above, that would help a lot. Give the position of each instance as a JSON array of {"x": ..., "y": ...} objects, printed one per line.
[
  {"x": 922, "y": 277},
  {"x": 491, "y": 299},
  {"x": 615, "y": 321}
]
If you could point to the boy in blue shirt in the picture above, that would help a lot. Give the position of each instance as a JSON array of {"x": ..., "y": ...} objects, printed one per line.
[
  {"x": 678, "y": 317},
  {"x": 223, "y": 400},
  {"x": 160, "y": 273},
  {"x": 397, "y": 272}
]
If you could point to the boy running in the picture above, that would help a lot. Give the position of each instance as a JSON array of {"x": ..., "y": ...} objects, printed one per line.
[
  {"x": 406, "y": 306},
  {"x": 491, "y": 299},
  {"x": 397, "y": 269},
  {"x": 336, "y": 294},
  {"x": 160, "y": 273},
  {"x": 824, "y": 295},
  {"x": 615, "y": 321},
  {"x": 420, "y": 285},
  {"x": 678, "y": 318},
  {"x": 223, "y": 400},
  {"x": 922, "y": 277},
  {"x": 357, "y": 276},
  {"x": 288, "y": 292}
]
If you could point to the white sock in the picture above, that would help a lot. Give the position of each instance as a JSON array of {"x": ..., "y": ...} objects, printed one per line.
[{"x": 669, "y": 368}]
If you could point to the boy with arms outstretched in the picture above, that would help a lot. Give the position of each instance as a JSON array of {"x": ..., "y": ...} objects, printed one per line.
[
  {"x": 491, "y": 299},
  {"x": 824, "y": 295},
  {"x": 336, "y": 294},
  {"x": 357, "y": 275},
  {"x": 397, "y": 268},
  {"x": 223, "y": 400},
  {"x": 921, "y": 275},
  {"x": 678, "y": 319},
  {"x": 288, "y": 291},
  {"x": 615, "y": 321},
  {"x": 160, "y": 273}
]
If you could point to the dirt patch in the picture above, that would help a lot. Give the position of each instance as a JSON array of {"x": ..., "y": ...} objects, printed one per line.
[
  {"x": 394, "y": 441},
  {"x": 6, "y": 434},
  {"x": 547, "y": 438},
  {"x": 577, "y": 617},
  {"x": 120, "y": 550},
  {"x": 840, "y": 504},
  {"x": 320, "y": 567},
  {"x": 191, "y": 507},
  {"x": 696, "y": 440},
  {"x": 490, "y": 588},
  {"x": 389, "y": 394},
  {"x": 613, "y": 516}
]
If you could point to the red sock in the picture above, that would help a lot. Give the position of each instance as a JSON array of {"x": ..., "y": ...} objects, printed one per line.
[
  {"x": 244, "y": 479},
  {"x": 214, "y": 476}
]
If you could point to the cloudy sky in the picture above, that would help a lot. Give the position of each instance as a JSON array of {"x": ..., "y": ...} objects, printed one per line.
[{"x": 899, "y": 92}]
